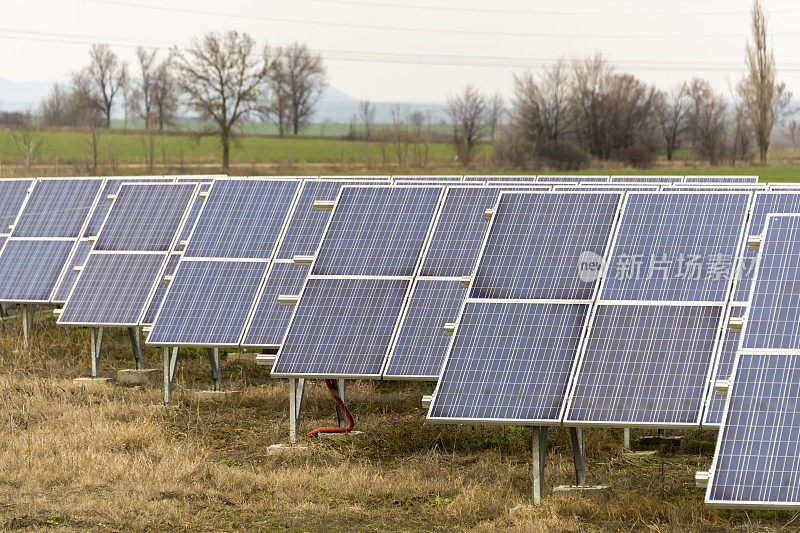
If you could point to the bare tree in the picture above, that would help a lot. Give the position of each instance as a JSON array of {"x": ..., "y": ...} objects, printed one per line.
[
  {"x": 221, "y": 76},
  {"x": 302, "y": 76},
  {"x": 741, "y": 133},
  {"x": 792, "y": 130},
  {"x": 707, "y": 119},
  {"x": 496, "y": 108},
  {"x": 275, "y": 106},
  {"x": 590, "y": 79},
  {"x": 56, "y": 108},
  {"x": 142, "y": 96},
  {"x": 468, "y": 114},
  {"x": 108, "y": 75},
  {"x": 542, "y": 105},
  {"x": 366, "y": 112},
  {"x": 28, "y": 139},
  {"x": 672, "y": 110},
  {"x": 165, "y": 91},
  {"x": 764, "y": 98}
]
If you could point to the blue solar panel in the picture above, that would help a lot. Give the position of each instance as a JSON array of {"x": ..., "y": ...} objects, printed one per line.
[
  {"x": 421, "y": 345},
  {"x": 70, "y": 276},
  {"x": 419, "y": 179},
  {"x": 700, "y": 187},
  {"x": 540, "y": 242},
  {"x": 31, "y": 269},
  {"x": 773, "y": 319},
  {"x": 242, "y": 218},
  {"x": 721, "y": 179},
  {"x": 191, "y": 217},
  {"x": 103, "y": 205},
  {"x": 57, "y": 208},
  {"x": 607, "y": 188},
  {"x": 145, "y": 217},
  {"x": 12, "y": 196},
  {"x": 645, "y": 365},
  {"x": 342, "y": 327},
  {"x": 573, "y": 179},
  {"x": 377, "y": 231},
  {"x": 757, "y": 460},
  {"x": 207, "y": 303},
  {"x": 270, "y": 320},
  {"x": 676, "y": 247},
  {"x": 113, "y": 288},
  {"x": 161, "y": 290},
  {"x": 510, "y": 362},
  {"x": 507, "y": 178},
  {"x": 646, "y": 179},
  {"x": 764, "y": 203},
  {"x": 726, "y": 354}
]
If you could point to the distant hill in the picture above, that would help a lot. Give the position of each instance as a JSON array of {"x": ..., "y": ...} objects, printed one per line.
[{"x": 334, "y": 106}]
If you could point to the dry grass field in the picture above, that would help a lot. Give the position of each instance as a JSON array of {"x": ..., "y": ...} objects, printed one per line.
[{"x": 115, "y": 458}]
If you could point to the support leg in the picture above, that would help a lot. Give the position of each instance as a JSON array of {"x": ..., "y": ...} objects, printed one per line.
[
  {"x": 27, "y": 323},
  {"x": 578, "y": 457},
  {"x": 626, "y": 438},
  {"x": 341, "y": 418},
  {"x": 3, "y": 315},
  {"x": 296, "y": 389},
  {"x": 539, "y": 452},
  {"x": 216, "y": 372},
  {"x": 173, "y": 363},
  {"x": 167, "y": 374},
  {"x": 136, "y": 345},
  {"x": 96, "y": 342}
]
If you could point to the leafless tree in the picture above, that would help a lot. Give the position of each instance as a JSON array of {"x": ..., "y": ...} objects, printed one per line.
[
  {"x": 741, "y": 133},
  {"x": 792, "y": 130},
  {"x": 399, "y": 136},
  {"x": 542, "y": 105},
  {"x": 28, "y": 139},
  {"x": 221, "y": 76},
  {"x": 142, "y": 96},
  {"x": 366, "y": 112},
  {"x": 707, "y": 119},
  {"x": 165, "y": 91},
  {"x": 108, "y": 75},
  {"x": 764, "y": 97},
  {"x": 56, "y": 108},
  {"x": 672, "y": 109},
  {"x": 467, "y": 112},
  {"x": 302, "y": 76},
  {"x": 590, "y": 80},
  {"x": 496, "y": 108},
  {"x": 628, "y": 113},
  {"x": 275, "y": 105}
]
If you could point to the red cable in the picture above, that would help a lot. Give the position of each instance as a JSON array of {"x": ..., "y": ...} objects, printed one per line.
[{"x": 338, "y": 399}]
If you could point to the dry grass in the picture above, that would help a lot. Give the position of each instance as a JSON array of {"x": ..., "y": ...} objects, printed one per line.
[{"x": 113, "y": 458}]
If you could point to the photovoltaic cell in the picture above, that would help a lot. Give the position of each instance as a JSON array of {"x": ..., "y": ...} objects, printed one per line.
[
  {"x": 757, "y": 460},
  {"x": 145, "y": 217},
  {"x": 103, "y": 205},
  {"x": 30, "y": 269},
  {"x": 377, "y": 231},
  {"x": 607, "y": 188},
  {"x": 418, "y": 179},
  {"x": 726, "y": 355},
  {"x": 70, "y": 276},
  {"x": 421, "y": 345},
  {"x": 721, "y": 179},
  {"x": 12, "y": 196},
  {"x": 510, "y": 362},
  {"x": 242, "y": 218},
  {"x": 342, "y": 327},
  {"x": 645, "y": 365},
  {"x": 207, "y": 303},
  {"x": 270, "y": 320},
  {"x": 676, "y": 247},
  {"x": 508, "y": 178},
  {"x": 573, "y": 179},
  {"x": 764, "y": 203},
  {"x": 161, "y": 290},
  {"x": 191, "y": 217},
  {"x": 113, "y": 288},
  {"x": 57, "y": 208},
  {"x": 539, "y": 241},
  {"x": 646, "y": 179},
  {"x": 773, "y": 319}
]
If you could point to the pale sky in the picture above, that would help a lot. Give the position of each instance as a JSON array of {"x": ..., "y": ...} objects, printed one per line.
[{"x": 383, "y": 50}]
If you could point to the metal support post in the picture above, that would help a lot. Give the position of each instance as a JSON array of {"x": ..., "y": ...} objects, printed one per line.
[
  {"x": 626, "y": 438},
  {"x": 173, "y": 363},
  {"x": 578, "y": 456},
  {"x": 27, "y": 323},
  {"x": 341, "y": 418},
  {"x": 167, "y": 376},
  {"x": 136, "y": 345},
  {"x": 96, "y": 342},
  {"x": 296, "y": 389},
  {"x": 3, "y": 315},
  {"x": 539, "y": 453},
  {"x": 216, "y": 372}
]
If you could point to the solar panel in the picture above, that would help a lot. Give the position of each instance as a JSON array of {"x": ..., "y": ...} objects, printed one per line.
[
  {"x": 784, "y": 187},
  {"x": 646, "y": 179},
  {"x": 723, "y": 367},
  {"x": 505, "y": 178},
  {"x": 676, "y": 247},
  {"x": 112, "y": 186},
  {"x": 145, "y": 217},
  {"x": 757, "y": 459},
  {"x": 57, "y": 207},
  {"x": 207, "y": 303},
  {"x": 342, "y": 328},
  {"x": 419, "y": 179},
  {"x": 421, "y": 345},
  {"x": 113, "y": 289},
  {"x": 12, "y": 195},
  {"x": 31, "y": 268},
  {"x": 716, "y": 187},
  {"x": 242, "y": 218},
  {"x": 354, "y": 177},
  {"x": 510, "y": 362},
  {"x": 721, "y": 179},
  {"x": 377, "y": 231},
  {"x": 764, "y": 203},
  {"x": 645, "y": 365},
  {"x": 572, "y": 179},
  {"x": 540, "y": 242},
  {"x": 270, "y": 320},
  {"x": 69, "y": 278},
  {"x": 200, "y": 178},
  {"x": 607, "y": 188},
  {"x": 772, "y": 322},
  {"x": 160, "y": 290},
  {"x": 191, "y": 217}
]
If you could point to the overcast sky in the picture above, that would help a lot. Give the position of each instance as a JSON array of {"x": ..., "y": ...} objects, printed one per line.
[{"x": 414, "y": 50}]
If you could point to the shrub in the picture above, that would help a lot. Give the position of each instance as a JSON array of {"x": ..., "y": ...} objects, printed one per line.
[
  {"x": 637, "y": 156},
  {"x": 562, "y": 155}
]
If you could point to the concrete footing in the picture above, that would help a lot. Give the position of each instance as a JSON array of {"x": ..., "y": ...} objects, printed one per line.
[
  {"x": 215, "y": 395},
  {"x": 278, "y": 449},
  {"x": 249, "y": 357},
  {"x": 657, "y": 440},
  {"x": 92, "y": 381},
  {"x": 148, "y": 376},
  {"x": 341, "y": 435}
]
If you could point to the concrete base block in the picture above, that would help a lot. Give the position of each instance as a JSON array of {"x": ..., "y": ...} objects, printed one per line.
[
  {"x": 215, "y": 395},
  {"x": 140, "y": 377},
  {"x": 92, "y": 381},
  {"x": 521, "y": 510},
  {"x": 249, "y": 357},
  {"x": 277, "y": 449},
  {"x": 657, "y": 440},
  {"x": 635, "y": 455},
  {"x": 586, "y": 491},
  {"x": 341, "y": 435}
]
